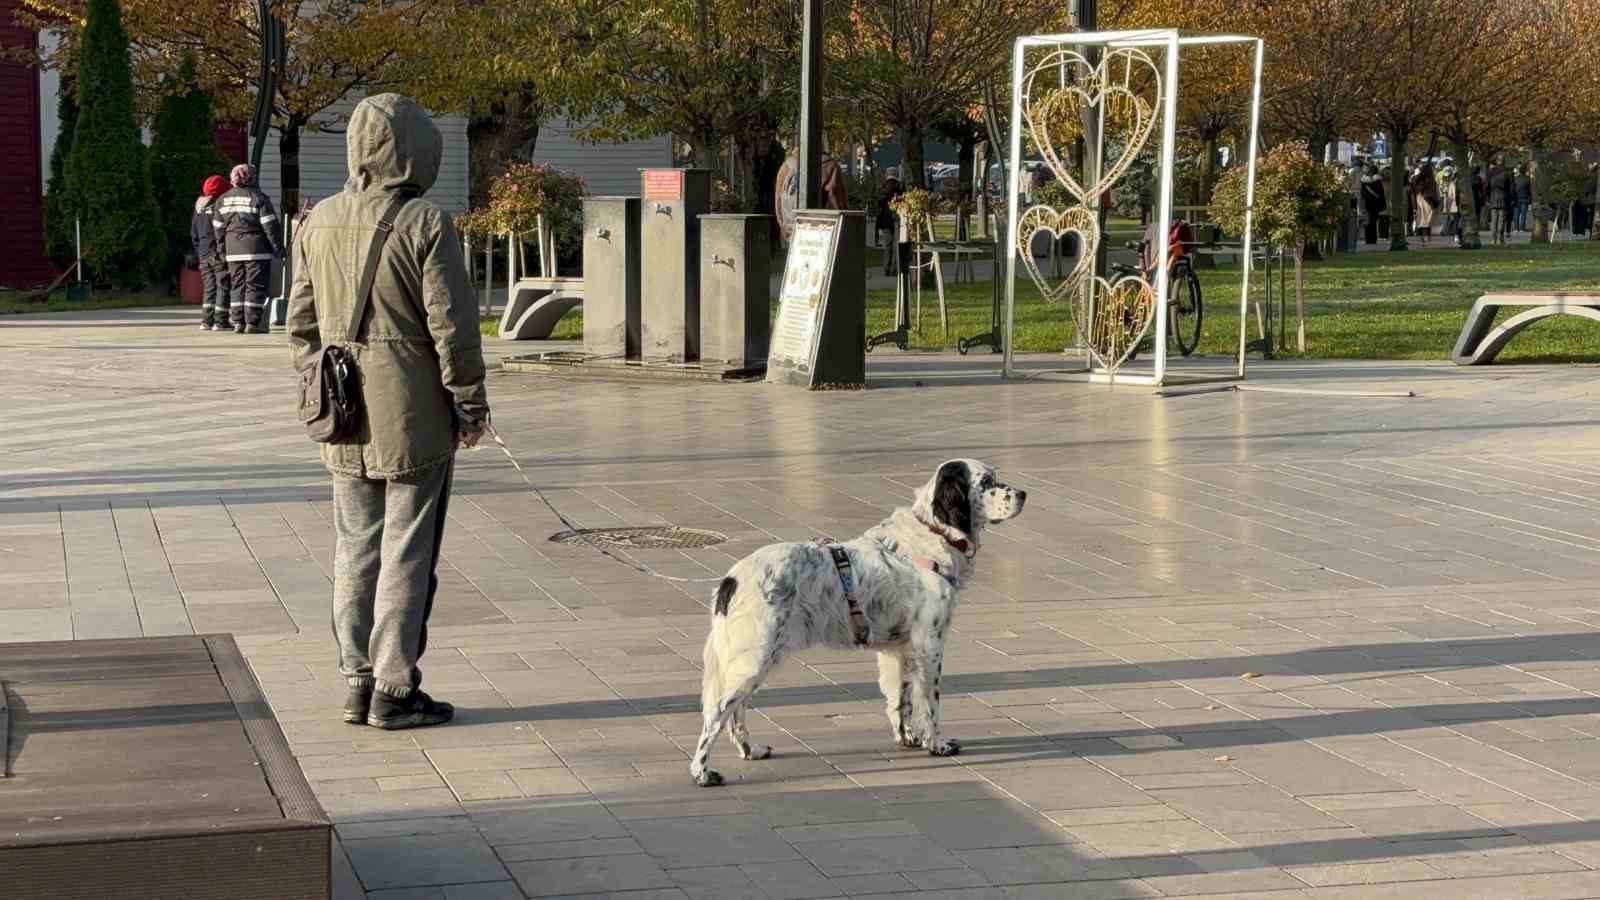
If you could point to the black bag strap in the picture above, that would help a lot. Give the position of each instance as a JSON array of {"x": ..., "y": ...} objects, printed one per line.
[{"x": 369, "y": 272}]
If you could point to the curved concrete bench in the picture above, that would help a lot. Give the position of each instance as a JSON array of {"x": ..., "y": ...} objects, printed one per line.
[
  {"x": 1480, "y": 343},
  {"x": 537, "y": 304}
]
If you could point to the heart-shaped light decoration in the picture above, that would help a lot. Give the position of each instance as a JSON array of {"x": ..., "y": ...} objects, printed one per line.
[
  {"x": 1073, "y": 220},
  {"x": 1055, "y": 117},
  {"x": 1123, "y": 311}
]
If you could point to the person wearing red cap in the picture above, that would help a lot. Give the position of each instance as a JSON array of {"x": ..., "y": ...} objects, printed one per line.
[{"x": 208, "y": 251}]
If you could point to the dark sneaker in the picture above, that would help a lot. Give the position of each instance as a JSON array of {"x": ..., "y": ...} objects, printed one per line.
[
  {"x": 357, "y": 705},
  {"x": 415, "y": 711}
]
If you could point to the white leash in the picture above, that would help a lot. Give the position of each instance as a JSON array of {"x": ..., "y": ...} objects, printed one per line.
[{"x": 579, "y": 532}]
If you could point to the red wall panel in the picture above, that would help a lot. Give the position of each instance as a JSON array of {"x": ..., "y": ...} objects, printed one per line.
[{"x": 22, "y": 260}]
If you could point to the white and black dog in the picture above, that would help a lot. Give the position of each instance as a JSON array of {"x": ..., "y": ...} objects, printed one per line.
[{"x": 893, "y": 589}]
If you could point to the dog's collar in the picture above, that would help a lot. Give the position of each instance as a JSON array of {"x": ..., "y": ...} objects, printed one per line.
[{"x": 960, "y": 545}]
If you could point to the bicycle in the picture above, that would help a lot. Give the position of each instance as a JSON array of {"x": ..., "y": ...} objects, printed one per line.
[{"x": 1184, "y": 304}]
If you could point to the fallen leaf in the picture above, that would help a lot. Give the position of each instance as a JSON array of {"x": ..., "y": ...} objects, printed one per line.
[
  {"x": 1249, "y": 675},
  {"x": 1224, "y": 759},
  {"x": 1213, "y": 706}
]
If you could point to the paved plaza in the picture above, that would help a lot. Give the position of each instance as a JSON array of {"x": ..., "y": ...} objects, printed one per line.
[{"x": 1273, "y": 645}]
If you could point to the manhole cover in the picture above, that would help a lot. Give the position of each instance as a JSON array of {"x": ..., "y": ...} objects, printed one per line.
[{"x": 649, "y": 537}]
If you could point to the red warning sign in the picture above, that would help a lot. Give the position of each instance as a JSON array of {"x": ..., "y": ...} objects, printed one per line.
[{"x": 663, "y": 184}]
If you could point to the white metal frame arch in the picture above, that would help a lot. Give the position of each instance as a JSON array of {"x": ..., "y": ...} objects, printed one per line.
[{"x": 1172, "y": 41}]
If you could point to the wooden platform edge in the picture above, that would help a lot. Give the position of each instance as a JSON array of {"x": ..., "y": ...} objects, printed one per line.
[{"x": 278, "y": 764}]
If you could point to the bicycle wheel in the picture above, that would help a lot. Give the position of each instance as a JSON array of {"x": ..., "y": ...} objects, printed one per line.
[{"x": 1186, "y": 312}]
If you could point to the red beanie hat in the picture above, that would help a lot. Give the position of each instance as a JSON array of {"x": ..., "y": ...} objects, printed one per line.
[{"x": 215, "y": 186}]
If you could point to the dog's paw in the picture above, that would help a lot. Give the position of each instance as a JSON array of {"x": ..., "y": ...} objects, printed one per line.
[
  {"x": 908, "y": 741},
  {"x": 708, "y": 778},
  {"x": 755, "y": 751},
  {"x": 945, "y": 747}
]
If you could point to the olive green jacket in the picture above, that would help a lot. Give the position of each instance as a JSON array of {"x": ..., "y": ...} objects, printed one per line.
[{"x": 420, "y": 352}]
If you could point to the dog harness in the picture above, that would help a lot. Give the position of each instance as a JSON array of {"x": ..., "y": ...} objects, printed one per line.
[{"x": 847, "y": 581}]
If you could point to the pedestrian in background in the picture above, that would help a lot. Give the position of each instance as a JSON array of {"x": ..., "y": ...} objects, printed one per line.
[
  {"x": 1449, "y": 202},
  {"x": 420, "y": 361},
  {"x": 1502, "y": 196},
  {"x": 249, "y": 227},
  {"x": 886, "y": 218},
  {"x": 1373, "y": 202},
  {"x": 208, "y": 255},
  {"x": 1480, "y": 197},
  {"x": 1519, "y": 215},
  {"x": 1424, "y": 201}
]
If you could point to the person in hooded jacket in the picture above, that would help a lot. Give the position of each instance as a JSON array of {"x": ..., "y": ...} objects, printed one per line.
[
  {"x": 248, "y": 226},
  {"x": 208, "y": 255},
  {"x": 420, "y": 358}
]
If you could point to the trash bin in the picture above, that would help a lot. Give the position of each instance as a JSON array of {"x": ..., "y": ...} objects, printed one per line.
[{"x": 191, "y": 289}]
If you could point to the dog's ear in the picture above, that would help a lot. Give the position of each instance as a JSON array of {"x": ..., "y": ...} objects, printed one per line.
[{"x": 952, "y": 497}]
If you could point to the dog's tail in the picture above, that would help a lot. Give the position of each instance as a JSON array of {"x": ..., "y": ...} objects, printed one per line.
[{"x": 711, "y": 673}]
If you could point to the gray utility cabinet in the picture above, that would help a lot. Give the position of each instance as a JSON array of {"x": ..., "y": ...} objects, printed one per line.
[
  {"x": 671, "y": 203},
  {"x": 735, "y": 289},
  {"x": 611, "y": 277}
]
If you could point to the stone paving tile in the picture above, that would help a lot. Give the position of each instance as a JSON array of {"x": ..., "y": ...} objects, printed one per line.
[
  {"x": 867, "y": 856},
  {"x": 594, "y": 874},
  {"x": 965, "y": 825},
  {"x": 493, "y": 890},
  {"x": 711, "y": 841},
  {"x": 1435, "y": 692},
  {"x": 713, "y": 882},
  {"x": 420, "y": 860},
  {"x": 1233, "y": 809},
  {"x": 542, "y": 822}
]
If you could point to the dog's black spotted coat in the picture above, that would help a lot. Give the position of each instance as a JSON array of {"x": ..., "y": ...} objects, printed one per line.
[
  {"x": 908, "y": 570},
  {"x": 725, "y": 594}
]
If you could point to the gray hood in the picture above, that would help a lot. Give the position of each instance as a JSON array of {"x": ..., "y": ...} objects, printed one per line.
[{"x": 391, "y": 144}]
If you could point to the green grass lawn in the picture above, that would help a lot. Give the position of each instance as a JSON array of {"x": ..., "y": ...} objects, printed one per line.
[
  {"x": 12, "y": 302},
  {"x": 1358, "y": 306}
]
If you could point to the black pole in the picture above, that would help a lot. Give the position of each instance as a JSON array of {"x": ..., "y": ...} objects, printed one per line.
[
  {"x": 810, "y": 151},
  {"x": 274, "y": 50}
]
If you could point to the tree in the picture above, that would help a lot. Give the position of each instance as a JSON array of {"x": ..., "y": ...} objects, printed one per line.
[
  {"x": 183, "y": 152},
  {"x": 706, "y": 71},
  {"x": 1506, "y": 50},
  {"x": 1297, "y": 200},
  {"x": 1420, "y": 44},
  {"x": 338, "y": 49},
  {"x": 60, "y": 211},
  {"x": 107, "y": 175},
  {"x": 506, "y": 88},
  {"x": 966, "y": 132},
  {"x": 1566, "y": 107},
  {"x": 1318, "y": 68},
  {"x": 914, "y": 62}
]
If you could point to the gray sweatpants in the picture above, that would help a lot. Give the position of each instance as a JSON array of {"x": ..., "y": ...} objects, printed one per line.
[{"x": 388, "y": 536}]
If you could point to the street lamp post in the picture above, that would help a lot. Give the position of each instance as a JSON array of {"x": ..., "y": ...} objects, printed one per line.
[{"x": 810, "y": 137}]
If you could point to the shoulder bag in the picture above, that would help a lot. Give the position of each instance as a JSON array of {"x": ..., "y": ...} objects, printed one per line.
[{"x": 331, "y": 406}]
